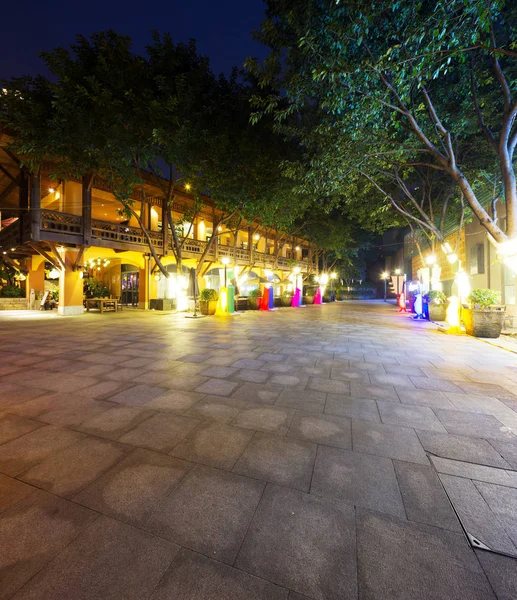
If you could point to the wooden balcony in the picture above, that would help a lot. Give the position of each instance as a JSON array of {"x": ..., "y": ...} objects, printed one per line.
[{"x": 67, "y": 229}]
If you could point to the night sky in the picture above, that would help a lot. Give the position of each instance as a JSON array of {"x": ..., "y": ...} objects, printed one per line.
[{"x": 222, "y": 28}]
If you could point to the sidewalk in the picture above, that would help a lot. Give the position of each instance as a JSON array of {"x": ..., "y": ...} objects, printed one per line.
[{"x": 299, "y": 454}]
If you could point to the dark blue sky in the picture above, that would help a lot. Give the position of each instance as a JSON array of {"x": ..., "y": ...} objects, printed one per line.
[{"x": 222, "y": 28}]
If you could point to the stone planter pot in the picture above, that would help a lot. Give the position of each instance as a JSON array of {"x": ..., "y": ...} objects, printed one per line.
[
  {"x": 208, "y": 307},
  {"x": 484, "y": 322},
  {"x": 287, "y": 301},
  {"x": 308, "y": 299},
  {"x": 437, "y": 312}
]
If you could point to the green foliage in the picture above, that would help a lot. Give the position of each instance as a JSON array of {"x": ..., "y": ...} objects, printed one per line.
[
  {"x": 95, "y": 288},
  {"x": 12, "y": 291},
  {"x": 255, "y": 294},
  {"x": 483, "y": 297},
  {"x": 209, "y": 295},
  {"x": 288, "y": 293},
  {"x": 436, "y": 297}
]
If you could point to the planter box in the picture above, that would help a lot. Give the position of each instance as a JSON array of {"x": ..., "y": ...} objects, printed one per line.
[
  {"x": 162, "y": 304},
  {"x": 253, "y": 303},
  {"x": 486, "y": 323},
  {"x": 14, "y": 304},
  {"x": 437, "y": 312},
  {"x": 308, "y": 299},
  {"x": 208, "y": 307},
  {"x": 287, "y": 301}
]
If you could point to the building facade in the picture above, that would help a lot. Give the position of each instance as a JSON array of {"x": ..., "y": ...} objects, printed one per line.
[{"x": 76, "y": 229}]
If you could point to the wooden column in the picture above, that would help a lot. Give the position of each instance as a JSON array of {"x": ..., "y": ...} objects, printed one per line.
[
  {"x": 87, "y": 208},
  {"x": 23, "y": 200},
  {"x": 165, "y": 228},
  {"x": 35, "y": 205}
]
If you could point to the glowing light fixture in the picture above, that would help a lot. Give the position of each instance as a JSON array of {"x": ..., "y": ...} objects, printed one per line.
[
  {"x": 225, "y": 260},
  {"x": 54, "y": 274},
  {"x": 333, "y": 275},
  {"x": 452, "y": 258},
  {"x": 324, "y": 279},
  {"x": 431, "y": 260},
  {"x": 297, "y": 248},
  {"x": 256, "y": 237},
  {"x": 187, "y": 186},
  {"x": 296, "y": 270},
  {"x": 385, "y": 275},
  {"x": 51, "y": 190},
  {"x": 397, "y": 271}
]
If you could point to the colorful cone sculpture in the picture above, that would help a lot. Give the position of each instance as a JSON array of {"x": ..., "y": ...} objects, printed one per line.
[
  {"x": 271, "y": 304},
  {"x": 402, "y": 302},
  {"x": 264, "y": 303},
  {"x": 222, "y": 303},
  {"x": 231, "y": 299},
  {"x": 297, "y": 298},
  {"x": 317, "y": 297}
]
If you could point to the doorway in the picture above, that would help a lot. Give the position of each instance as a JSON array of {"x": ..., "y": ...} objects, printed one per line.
[{"x": 129, "y": 285}]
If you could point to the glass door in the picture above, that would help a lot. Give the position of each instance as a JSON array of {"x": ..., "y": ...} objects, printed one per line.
[{"x": 130, "y": 288}]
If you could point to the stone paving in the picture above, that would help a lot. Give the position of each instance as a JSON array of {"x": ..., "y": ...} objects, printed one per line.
[{"x": 298, "y": 454}]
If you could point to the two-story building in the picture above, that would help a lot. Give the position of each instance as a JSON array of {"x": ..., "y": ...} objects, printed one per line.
[{"x": 76, "y": 228}]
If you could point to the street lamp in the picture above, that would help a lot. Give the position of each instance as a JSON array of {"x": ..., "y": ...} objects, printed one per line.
[
  {"x": 385, "y": 276},
  {"x": 225, "y": 262}
]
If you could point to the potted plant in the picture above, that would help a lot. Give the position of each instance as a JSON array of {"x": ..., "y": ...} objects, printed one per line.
[
  {"x": 340, "y": 294},
  {"x": 484, "y": 318},
  {"x": 253, "y": 299},
  {"x": 287, "y": 298},
  {"x": 437, "y": 302},
  {"x": 208, "y": 301}
]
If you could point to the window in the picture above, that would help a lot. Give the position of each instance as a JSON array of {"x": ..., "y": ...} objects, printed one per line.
[{"x": 477, "y": 259}]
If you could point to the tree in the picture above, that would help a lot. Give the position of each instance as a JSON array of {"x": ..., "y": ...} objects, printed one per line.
[{"x": 423, "y": 82}]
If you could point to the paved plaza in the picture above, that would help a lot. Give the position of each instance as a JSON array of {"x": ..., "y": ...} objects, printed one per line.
[{"x": 305, "y": 453}]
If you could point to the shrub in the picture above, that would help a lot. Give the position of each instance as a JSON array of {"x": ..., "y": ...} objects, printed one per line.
[
  {"x": 11, "y": 291},
  {"x": 255, "y": 294},
  {"x": 209, "y": 295},
  {"x": 436, "y": 297},
  {"x": 288, "y": 293},
  {"x": 483, "y": 297}
]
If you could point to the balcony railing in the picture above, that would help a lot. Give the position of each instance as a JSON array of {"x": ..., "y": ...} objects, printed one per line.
[{"x": 118, "y": 234}]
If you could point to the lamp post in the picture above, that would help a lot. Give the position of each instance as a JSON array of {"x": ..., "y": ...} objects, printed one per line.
[
  {"x": 225, "y": 261},
  {"x": 385, "y": 276}
]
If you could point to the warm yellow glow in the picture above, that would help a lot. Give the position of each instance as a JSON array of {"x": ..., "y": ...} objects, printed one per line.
[
  {"x": 333, "y": 275},
  {"x": 452, "y": 258},
  {"x": 51, "y": 190},
  {"x": 225, "y": 260},
  {"x": 324, "y": 279},
  {"x": 297, "y": 248},
  {"x": 431, "y": 260},
  {"x": 268, "y": 273},
  {"x": 462, "y": 279},
  {"x": 385, "y": 275},
  {"x": 446, "y": 247},
  {"x": 296, "y": 270},
  {"x": 256, "y": 237},
  {"x": 397, "y": 271},
  {"x": 222, "y": 303},
  {"x": 187, "y": 186},
  {"x": 453, "y": 312},
  {"x": 219, "y": 228}
]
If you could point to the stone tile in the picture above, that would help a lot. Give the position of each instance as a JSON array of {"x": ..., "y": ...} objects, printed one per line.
[
  {"x": 214, "y": 444},
  {"x": 19, "y": 455},
  {"x": 508, "y": 450},
  {"x": 16, "y": 394},
  {"x": 114, "y": 422},
  {"x": 219, "y": 371},
  {"x": 251, "y": 376},
  {"x": 290, "y": 380},
  {"x": 64, "y": 410},
  {"x": 194, "y": 576},
  {"x": 430, "y": 398},
  {"x": 209, "y": 512},
  {"x": 403, "y": 560},
  {"x": 194, "y": 358},
  {"x": 12, "y": 427},
  {"x": 252, "y": 392},
  {"x": 399, "y": 381},
  {"x": 66, "y": 472},
  {"x": 176, "y": 401},
  {"x": 278, "y": 367},
  {"x": 404, "y": 415},
  {"x": 12, "y": 490},
  {"x": 248, "y": 363},
  {"x": 357, "y": 479},
  {"x": 262, "y": 417},
  {"x": 33, "y": 531},
  {"x": 474, "y": 471},
  {"x": 218, "y": 387},
  {"x": 134, "y": 489},
  {"x": 347, "y": 375},
  {"x": 217, "y": 408},
  {"x": 374, "y": 392},
  {"x": 501, "y": 572},
  {"x": 387, "y": 440},
  {"x": 476, "y": 517},
  {"x": 354, "y": 408},
  {"x": 59, "y": 382},
  {"x": 503, "y": 503},
  {"x": 137, "y": 395},
  {"x": 489, "y": 389},
  {"x": 161, "y": 432},
  {"x": 183, "y": 381},
  {"x": 280, "y": 460},
  {"x": 424, "y": 498},
  {"x": 108, "y": 560},
  {"x": 322, "y": 429},
  {"x": 272, "y": 357},
  {"x": 304, "y": 543},
  {"x": 457, "y": 447},
  {"x": 329, "y": 386},
  {"x": 426, "y": 383},
  {"x": 474, "y": 424},
  {"x": 306, "y": 400},
  {"x": 105, "y": 389}
]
